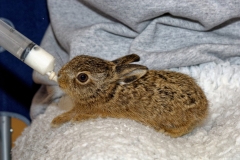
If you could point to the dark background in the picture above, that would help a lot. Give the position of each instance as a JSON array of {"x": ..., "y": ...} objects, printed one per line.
[{"x": 29, "y": 17}]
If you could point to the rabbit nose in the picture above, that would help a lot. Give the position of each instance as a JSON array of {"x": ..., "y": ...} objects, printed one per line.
[{"x": 59, "y": 76}]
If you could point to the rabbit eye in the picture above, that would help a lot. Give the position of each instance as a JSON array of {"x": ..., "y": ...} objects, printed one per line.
[{"x": 82, "y": 77}]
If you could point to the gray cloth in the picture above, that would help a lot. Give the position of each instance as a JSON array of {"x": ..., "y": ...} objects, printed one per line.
[{"x": 164, "y": 33}]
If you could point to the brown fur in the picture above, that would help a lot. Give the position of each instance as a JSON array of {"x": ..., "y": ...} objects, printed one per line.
[{"x": 168, "y": 101}]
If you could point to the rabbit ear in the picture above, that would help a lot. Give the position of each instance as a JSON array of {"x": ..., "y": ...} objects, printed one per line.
[
  {"x": 127, "y": 59},
  {"x": 130, "y": 72}
]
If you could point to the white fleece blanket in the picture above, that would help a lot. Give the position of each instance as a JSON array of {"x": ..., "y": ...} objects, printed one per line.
[{"x": 217, "y": 138}]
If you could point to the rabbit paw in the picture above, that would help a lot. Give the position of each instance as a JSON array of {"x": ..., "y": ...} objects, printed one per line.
[
  {"x": 80, "y": 117},
  {"x": 59, "y": 120}
]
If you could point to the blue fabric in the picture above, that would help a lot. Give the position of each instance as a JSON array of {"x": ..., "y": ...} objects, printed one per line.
[{"x": 16, "y": 85}]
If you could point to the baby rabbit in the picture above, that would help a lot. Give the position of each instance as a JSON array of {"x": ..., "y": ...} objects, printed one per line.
[{"x": 168, "y": 101}]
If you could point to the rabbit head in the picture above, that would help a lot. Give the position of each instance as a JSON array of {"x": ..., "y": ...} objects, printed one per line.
[{"x": 86, "y": 78}]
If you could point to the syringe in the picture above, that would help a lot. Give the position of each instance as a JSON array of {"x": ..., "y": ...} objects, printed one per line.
[{"x": 27, "y": 51}]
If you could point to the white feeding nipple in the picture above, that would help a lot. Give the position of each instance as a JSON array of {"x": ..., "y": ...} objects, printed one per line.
[{"x": 42, "y": 62}]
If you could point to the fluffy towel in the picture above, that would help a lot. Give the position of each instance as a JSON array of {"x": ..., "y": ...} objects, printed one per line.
[{"x": 121, "y": 139}]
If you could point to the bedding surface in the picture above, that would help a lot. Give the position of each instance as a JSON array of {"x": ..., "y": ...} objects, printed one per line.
[{"x": 120, "y": 139}]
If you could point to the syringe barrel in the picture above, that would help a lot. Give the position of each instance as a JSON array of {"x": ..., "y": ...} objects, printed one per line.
[
  {"x": 13, "y": 41},
  {"x": 27, "y": 51}
]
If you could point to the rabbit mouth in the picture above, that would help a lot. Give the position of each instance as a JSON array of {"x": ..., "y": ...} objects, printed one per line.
[
  {"x": 60, "y": 86},
  {"x": 61, "y": 82}
]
